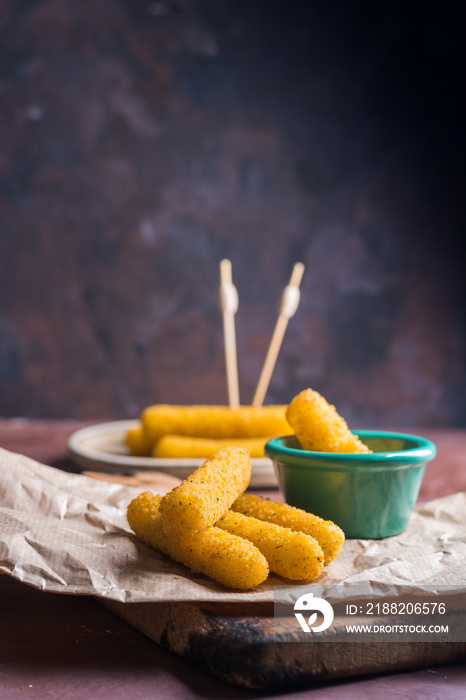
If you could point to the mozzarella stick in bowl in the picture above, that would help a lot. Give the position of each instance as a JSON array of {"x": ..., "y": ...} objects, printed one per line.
[
  {"x": 201, "y": 499},
  {"x": 329, "y": 536},
  {"x": 223, "y": 557},
  {"x": 292, "y": 555},
  {"x": 318, "y": 426}
]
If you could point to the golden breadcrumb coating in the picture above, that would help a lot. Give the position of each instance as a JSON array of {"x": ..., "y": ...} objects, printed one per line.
[
  {"x": 214, "y": 421},
  {"x": 329, "y": 536},
  {"x": 208, "y": 493},
  {"x": 186, "y": 446},
  {"x": 293, "y": 555},
  {"x": 318, "y": 426},
  {"x": 137, "y": 441},
  {"x": 226, "y": 558}
]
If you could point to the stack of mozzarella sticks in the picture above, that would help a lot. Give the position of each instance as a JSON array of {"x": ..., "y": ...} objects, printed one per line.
[
  {"x": 208, "y": 524},
  {"x": 167, "y": 431}
]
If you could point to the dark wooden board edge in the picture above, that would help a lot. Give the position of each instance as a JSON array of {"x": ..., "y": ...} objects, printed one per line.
[{"x": 235, "y": 642}]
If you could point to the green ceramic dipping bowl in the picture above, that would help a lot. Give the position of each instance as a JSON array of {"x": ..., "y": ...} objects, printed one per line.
[{"x": 369, "y": 496}]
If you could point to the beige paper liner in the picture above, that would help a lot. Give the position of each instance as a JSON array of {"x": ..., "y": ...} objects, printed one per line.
[{"x": 67, "y": 533}]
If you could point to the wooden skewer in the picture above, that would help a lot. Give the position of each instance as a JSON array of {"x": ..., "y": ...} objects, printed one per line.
[
  {"x": 289, "y": 302},
  {"x": 228, "y": 300}
]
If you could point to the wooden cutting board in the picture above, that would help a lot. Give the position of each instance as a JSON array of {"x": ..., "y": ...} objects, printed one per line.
[{"x": 235, "y": 642}]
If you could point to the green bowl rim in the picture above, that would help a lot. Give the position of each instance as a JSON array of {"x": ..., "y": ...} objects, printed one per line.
[{"x": 423, "y": 452}]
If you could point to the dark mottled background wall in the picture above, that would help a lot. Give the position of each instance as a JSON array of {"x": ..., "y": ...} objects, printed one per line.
[{"x": 141, "y": 142}]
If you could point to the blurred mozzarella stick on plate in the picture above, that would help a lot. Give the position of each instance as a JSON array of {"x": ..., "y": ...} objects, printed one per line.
[
  {"x": 138, "y": 442},
  {"x": 185, "y": 446},
  {"x": 213, "y": 421}
]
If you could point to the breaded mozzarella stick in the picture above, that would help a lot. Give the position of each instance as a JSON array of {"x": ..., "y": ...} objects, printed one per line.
[
  {"x": 226, "y": 558},
  {"x": 200, "y": 500},
  {"x": 329, "y": 536},
  {"x": 137, "y": 441},
  {"x": 186, "y": 446},
  {"x": 318, "y": 426},
  {"x": 293, "y": 555},
  {"x": 214, "y": 421}
]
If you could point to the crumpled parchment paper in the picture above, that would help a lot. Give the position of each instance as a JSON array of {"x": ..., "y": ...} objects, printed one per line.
[{"x": 67, "y": 533}]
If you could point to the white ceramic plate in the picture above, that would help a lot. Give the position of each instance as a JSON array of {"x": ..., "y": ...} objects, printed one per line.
[{"x": 103, "y": 448}]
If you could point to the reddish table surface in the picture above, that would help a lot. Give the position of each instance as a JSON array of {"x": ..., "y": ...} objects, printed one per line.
[{"x": 56, "y": 646}]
